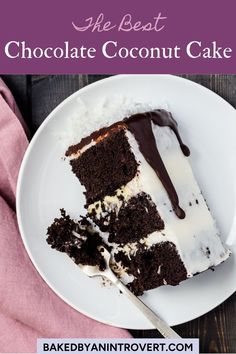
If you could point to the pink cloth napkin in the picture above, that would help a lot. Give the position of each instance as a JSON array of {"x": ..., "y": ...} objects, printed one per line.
[{"x": 28, "y": 307}]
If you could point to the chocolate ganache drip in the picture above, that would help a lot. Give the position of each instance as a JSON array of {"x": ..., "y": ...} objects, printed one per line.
[{"x": 140, "y": 125}]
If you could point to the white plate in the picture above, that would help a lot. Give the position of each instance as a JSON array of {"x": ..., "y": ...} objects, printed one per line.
[{"x": 207, "y": 124}]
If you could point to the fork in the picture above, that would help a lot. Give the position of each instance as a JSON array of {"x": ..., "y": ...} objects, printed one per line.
[{"x": 155, "y": 320}]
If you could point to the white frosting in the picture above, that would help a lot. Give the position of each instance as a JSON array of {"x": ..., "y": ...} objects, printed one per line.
[
  {"x": 114, "y": 203},
  {"x": 81, "y": 151},
  {"x": 86, "y": 118}
]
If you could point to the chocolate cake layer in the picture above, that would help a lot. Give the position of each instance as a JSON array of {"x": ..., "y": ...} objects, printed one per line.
[
  {"x": 159, "y": 265},
  {"x": 106, "y": 166},
  {"x": 141, "y": 127},
  {"x": 136, "y": 218}
]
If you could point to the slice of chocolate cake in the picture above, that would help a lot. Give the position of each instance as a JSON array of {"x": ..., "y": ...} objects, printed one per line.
[{"x": 141, "y": 193}]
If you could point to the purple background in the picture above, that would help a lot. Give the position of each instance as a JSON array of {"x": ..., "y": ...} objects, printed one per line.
[{"x": 48, "y": 23}]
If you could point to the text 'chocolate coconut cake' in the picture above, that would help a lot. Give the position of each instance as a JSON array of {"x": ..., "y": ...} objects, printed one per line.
[{"x": 143, "y": 201}]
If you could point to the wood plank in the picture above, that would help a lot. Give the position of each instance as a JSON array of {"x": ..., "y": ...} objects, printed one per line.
[
  {"x": 216, "y": 329},
  {"x": 48, "y": 91},
  {"x": 18, "y": 84},
  {"x": 223, "y": 85}
]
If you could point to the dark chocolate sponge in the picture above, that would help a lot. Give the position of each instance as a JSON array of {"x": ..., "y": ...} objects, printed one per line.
[
  {"x": 83, "y": 249},
  {"x": 105, "y": 167},
  {"x": 136, "y": 219},
  {"x": 159, "y": 265}
]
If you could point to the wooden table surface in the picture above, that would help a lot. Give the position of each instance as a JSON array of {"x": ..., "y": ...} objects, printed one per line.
[{"x": 38, "y": 95}]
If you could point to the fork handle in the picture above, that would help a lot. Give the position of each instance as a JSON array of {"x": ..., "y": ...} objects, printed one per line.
[{"x": 159, "y": 324}]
